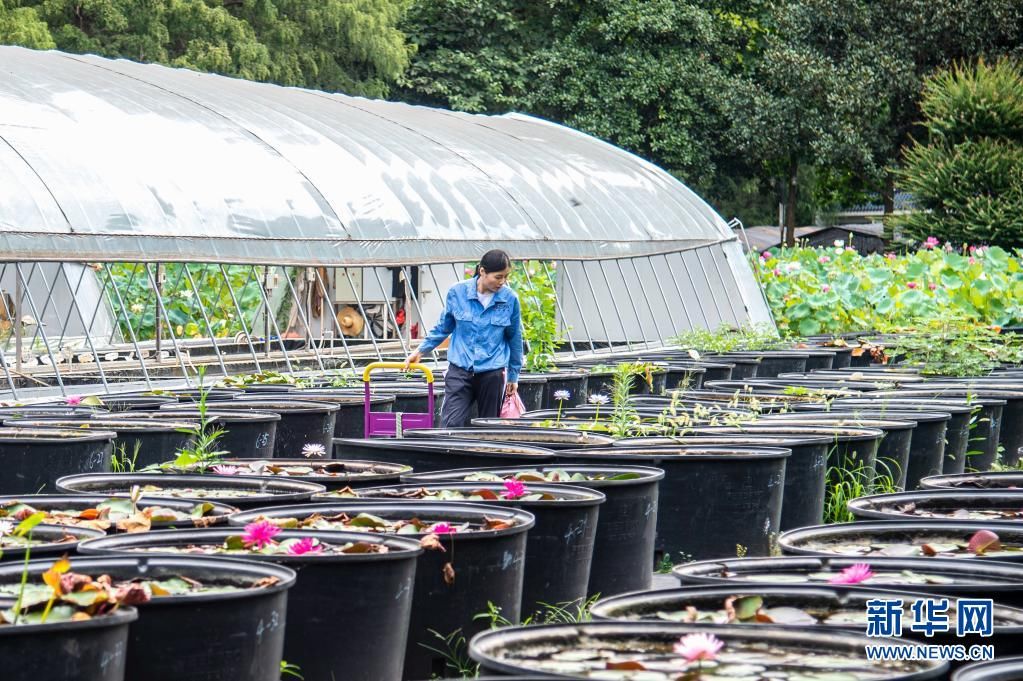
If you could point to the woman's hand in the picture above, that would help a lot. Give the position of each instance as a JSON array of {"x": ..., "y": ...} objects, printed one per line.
[
  {"x": 510, "y": 389},
  {"x": 412, "y": 359}
]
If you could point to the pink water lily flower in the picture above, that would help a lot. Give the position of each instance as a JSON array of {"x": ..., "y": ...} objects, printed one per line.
[
  {"x": 73, "y": 400},
  {"x": 698, "y": 647},
  {"x": 932, "y": 286},
  {"x": 221, "y": 469},
  {"x": 443, "y": 528},
  {"x": 303, "y": 546},
  {"x": 260, "y": 534},
  {"x": 854, "y": 574},
  {"x": 825, "y": 288},
  {"x": 931, "y": 242},
  {"x": 513, "y": 489},
  {"x": 911, "y": 284}
]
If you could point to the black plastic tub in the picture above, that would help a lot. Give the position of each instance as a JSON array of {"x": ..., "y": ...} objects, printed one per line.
[
  {"x": 805, "y": 469},
  {"x": 488, "y": 569},
  {"x": 1005, "y": 669},
  {"x": 602, "y": 383},
  {"x": 242, "y": 492},
  {"x": 742, "y": 367},
  {"x": 249, "y": 434},
  {"x": 302, "y": 422},
  {"x": 32, "y": 459},
  {"x": 987, "y": 431},
  {"x": 993, "y": 508},
  {"x": 819, "y": 602},
  {"x": 331, "y": 473},
  {"x": 438, "y": 455},
  {"x": 964, "y": 482},
  {"x": 30, "y": 411},
  {"x": 773, "y": 362},
  {"x": 559, "y": 548},
  {"x": 623, "y": 548},
  {"x": 1011, "y": 435},
  {"x": 839, "y": 539},
  {"x": 91, "y": 650},
  {"x": 891, "y": 458},
  {"x": 370, "y": 592},
  {"x": 531, "y": 390},
  {"x": 122, "y": 403},
  {"x": 684, "y": 377},
  {"x": 1002, "y": 582},
  {"x": 574, "y": 383},
  {"x": 530, "y": 649},
  {"x": 49, "y": 541},
  {"x": 927, "y": 440},
  {"x": 711, "y": 499},
  {"x": 198, "y": 636},
  {"x": 546, "y": 438},
  {"x": 216, "y": 515},
  {"x": 156, "y": 440},
  {"x": 351, "y": 415},
  {"x": 957, "y": 431}
]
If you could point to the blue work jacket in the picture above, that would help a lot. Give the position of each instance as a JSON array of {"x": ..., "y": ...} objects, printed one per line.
[{"x": 482, "y": 339}]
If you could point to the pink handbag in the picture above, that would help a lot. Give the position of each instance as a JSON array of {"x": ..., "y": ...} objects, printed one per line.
[{"x": 512, "y": 407}]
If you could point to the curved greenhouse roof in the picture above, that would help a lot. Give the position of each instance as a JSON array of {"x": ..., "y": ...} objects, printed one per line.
[{"x": 111, "y": 160}]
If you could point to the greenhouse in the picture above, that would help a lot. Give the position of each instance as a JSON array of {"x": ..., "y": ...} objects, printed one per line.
[{"x": 316, "y": 226}]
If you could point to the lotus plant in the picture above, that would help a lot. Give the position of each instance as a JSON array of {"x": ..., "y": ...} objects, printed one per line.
[
  {"x": 854, "y": 574},
  {"x": 514, "y": 489},
  {"x": 698, "y": 648},
  {"x": 313, "y": 451},
  {"x": 561, "y": 396}
]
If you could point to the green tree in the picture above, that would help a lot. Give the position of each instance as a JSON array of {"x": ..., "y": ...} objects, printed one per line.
[
  {"x": 353, "y": 46},
  {"x": 22, "y": 26},
  {"x": 808, "y": 98},
  {"x": 967, "y": 179}
]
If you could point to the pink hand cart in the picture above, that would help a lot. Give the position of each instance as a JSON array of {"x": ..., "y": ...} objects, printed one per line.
[{"x": 392, "y": 424}]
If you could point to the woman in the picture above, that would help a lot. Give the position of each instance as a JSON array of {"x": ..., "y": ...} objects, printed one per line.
[{"x": 483, "y": 318}]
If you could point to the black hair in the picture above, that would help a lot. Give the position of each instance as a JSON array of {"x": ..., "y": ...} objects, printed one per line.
[{"x": 493, "y": 261}]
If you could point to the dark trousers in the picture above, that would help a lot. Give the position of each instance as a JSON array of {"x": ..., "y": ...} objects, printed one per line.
[{"x": 462, "y": 388}]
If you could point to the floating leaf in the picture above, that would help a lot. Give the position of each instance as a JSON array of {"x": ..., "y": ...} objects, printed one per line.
[
  {"x": 367, "y": 520},
  {"x": 982, "y": 541},
  {"x": 627, "y": 665},
  {"x": 746, "y": 607}
]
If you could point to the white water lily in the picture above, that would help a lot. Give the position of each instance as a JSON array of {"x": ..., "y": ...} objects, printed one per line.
[
  {"x": 313, "y": 450},
  {"x": 6, "y": 527},
  {"x": 562, "y": 395},
  {"x": 599, "y": 399}
]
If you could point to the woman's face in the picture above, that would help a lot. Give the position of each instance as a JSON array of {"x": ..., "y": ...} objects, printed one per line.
[{"x": 493, "y": 281}]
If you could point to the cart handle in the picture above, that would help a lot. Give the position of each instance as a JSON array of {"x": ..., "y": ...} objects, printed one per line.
[{"x": 397, "y": 365}]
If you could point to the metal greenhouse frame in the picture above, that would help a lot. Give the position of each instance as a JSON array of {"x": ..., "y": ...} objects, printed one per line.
[{"x": 153, "y": 220}]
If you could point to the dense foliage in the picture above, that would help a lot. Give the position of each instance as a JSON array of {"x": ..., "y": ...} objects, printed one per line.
[
  {"x": 751, "y": 102},
  {"x": 834, "y": 290},
  {"x": 968, "y": 176}
]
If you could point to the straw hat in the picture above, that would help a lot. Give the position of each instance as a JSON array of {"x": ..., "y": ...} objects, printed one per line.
[{"x": 350, "y": 321}]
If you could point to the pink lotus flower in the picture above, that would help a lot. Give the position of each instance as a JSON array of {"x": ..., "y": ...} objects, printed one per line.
[
  {"x": 776, "y": 272},
  {"x": 513, "y": 489},
  {"x": 889, "y": 256},
  {"x": 443, "y": 528},
  {"x": 911, "y": 284},
  {"x": 854, "y": 574},
  {"x": 303, "y": 546},
  {"x": 260, "y": 534},
  {"x": 823, "y": 259},
  {"x": 766, "y": 255},
  {"x": 825, "y": 288},
  {"x": 973, "y": 260},
  {"x": 73, "y": 400},
  {"x": 932, "y": 286},
  {"x": 931, "y": 242},
  {"x": 221, "y": 469},
  {"x": 973, "y": 249},
  {"x": 698, "y": 647}
]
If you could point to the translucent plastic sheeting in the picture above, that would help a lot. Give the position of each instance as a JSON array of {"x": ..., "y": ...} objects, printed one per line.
[{"x": 112, "y": 160}]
